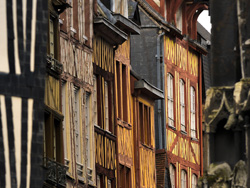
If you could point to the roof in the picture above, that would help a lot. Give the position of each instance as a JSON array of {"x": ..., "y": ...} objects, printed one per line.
[
  {"x": 147, "y": 88},
  {"x": 203, "y": 32}
]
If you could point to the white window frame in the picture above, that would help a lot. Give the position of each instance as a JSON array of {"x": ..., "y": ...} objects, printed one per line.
[
  {"x": 183, "y": 179},
  {"x": 192, "y": 112},
  {"x": 95, "y": 100},
  {"x": 87, "y": 126},
  {"x": 179, "y": 18},
  {"x": 109, "y": 183},
  {"x": 77, "y": 124},
  {"x": 106, "y": 105},
  {"x": 182, "y": 105},
  {"x": 194, "y": 181},
  {"x": 98, "y": 181},
  {"x": 51, "y": 38},
  {"x": 63, "y": 95},
  {"x": 170, "y": 93},
  {"x": 172, "y": 172}
]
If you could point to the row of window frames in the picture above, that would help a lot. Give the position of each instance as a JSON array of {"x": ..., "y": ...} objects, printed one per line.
[
  {"x": 184, "y": 183},
  {"x": 77, "y": 117},
  {"x": 76, "y": 123},
  {"x": 170, "y": 93}
]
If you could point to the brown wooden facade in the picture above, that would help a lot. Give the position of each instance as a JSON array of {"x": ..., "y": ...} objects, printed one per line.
[
  {"x": 183, "y": 149},
  {"x": 99, "y": 114},
  {"x": 69, "y": 126},
  {"x": 105, "y": 139},
  {"x": 171, "y": 26},
  {"x": 135, "y": 124}
]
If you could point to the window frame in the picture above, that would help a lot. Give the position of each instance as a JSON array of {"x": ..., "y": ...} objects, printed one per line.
[
  {"x": 50, "y": 132},
  {"x": 121, "y": 76},
  {"x": 184, "y": 181},
  {"x": 64, "y": 125},
  {"x": 87, "y": 128},
  {"x": 125, "y": 176},
  {"x": 179, "y": 18},
  {"x": 55, "y": 21},
  {"x": 194, "y": 177},
  {"x": 105, "y": 100},
  {"x": 172, "y": 172},
  {"x": 193, "y": 128},
  {"x": 78, "y": 129},
  {"x": 170, "y": 99},
  {"x": 182, "y": 105},
  {"x": 141, "y": 119}
]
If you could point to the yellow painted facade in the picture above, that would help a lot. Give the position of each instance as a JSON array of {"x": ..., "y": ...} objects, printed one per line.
[
  {"x": 178, "y": 55},
  {"x": 52, "y": 92},
  {"x": 105, "y": 152},
  {"x": 183, "y": 150},
  {"x": 103, "y": 55}
]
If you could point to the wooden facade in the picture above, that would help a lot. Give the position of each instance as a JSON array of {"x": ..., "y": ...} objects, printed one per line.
[
  {"x": 103, "y": 114},
  {"x": 184, "y": 147},
  {"x": 98, "y": 115},
  {"x": 172, "y": 61},
  {"x": 105, "y": 139},
  {"x": 135, "y": 126},
  {"x": 68, "y": 94},
  {"x": 125, "y": 147}
]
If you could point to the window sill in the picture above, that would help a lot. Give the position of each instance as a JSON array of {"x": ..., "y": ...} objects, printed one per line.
[
  {"x": 172, "y": 127},
  {"x": 79, "y": 168},
  {"x": 146, "y": 146},
  {"x": 66, "y": 163},
  {"x": 123, "y": 124},
  {"x": 68, "y": 175},
  {"x": 91, "y": 183},
  {"x": 194, "y": 139},
  {"x": 89, "y": 174},
  {"x": 183, "y": 132},
  {"x": 81, "y": 179}
]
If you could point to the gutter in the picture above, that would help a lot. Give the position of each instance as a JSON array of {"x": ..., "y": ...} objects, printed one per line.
[{"x": 161, "y": 129}]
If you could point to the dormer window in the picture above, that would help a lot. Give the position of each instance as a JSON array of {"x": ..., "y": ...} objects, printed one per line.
[{"x": 179, "y": 18}]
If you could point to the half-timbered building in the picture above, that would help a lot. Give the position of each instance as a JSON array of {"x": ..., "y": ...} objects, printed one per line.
[
  {"x": 171, "y": 60},
  {"x": 77, "y": 92},
  {"x": 53, "y": 156}
]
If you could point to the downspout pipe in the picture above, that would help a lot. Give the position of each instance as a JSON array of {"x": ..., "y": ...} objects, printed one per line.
[
  {"x": 159, "y": 85},
  {"x": 240, "y": 24}
]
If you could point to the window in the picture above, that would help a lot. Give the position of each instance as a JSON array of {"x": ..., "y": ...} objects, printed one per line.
[
  {"x": 77, "y": 129},
  {"x": 125, "y": 177},
  {"x": 183, "y": 179},
  {"x": 53, "y": 149},
  {"x": 121, "y": 78},
  {"x": 51, "y": 41},
  {"x": 194, "y": 181},
  {"x": 172, "y": 175},
  {"x": 192, "y": 111},
  {"x": 87, "y": 125},
  {"x": 53, "y": 128},
  {"x": 109, "y": 184},
  {"x": 98, "y": 181},
  {"x": 103, "y": 97},
  {"x": 179, "y": 18},
  {"x": 124, "y": 92},
  {"x": 74, "y": 18},
  {"x": 64, "y": 123},
  {"x": 95, "y": 100},
  {"x": 145, "y": 124},
  {"x": 170, "y": 92},
  {"x": 106, "y": 104},
  {"x": 182, "y": 104}
]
